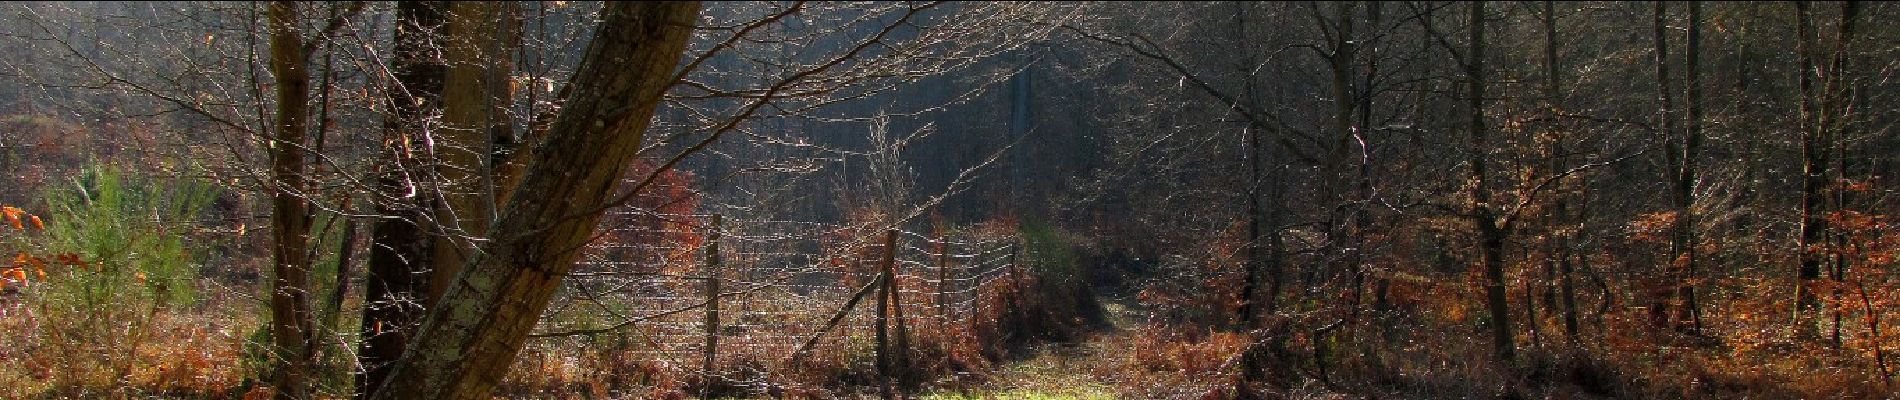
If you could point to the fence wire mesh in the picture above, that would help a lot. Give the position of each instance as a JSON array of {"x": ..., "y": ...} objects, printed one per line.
[{"x": 780, "y": 282}]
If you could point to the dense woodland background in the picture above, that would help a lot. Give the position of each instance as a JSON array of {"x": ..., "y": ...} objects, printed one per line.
[{"x": 1198, "y": 200}]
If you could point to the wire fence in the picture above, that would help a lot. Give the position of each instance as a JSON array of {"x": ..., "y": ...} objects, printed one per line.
[{"x": 776, "y": 290}]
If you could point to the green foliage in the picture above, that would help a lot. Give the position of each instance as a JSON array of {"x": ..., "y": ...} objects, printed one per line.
[
  {"x": 117, "y": 241},
  {"x": 254, "y": 356},
  {"x": 130, "y": 229},
  {"x": 1056, "y": 303},
  {"x": 1049, "y": 254}
]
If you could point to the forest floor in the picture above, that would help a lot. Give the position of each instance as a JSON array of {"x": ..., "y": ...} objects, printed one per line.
[
  {"x": 1060, "y": 370},
  {"x": 1054, "y": 372}
]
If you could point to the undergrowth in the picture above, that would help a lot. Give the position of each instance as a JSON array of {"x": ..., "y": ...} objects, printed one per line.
[{"x": 113, "y": 306}]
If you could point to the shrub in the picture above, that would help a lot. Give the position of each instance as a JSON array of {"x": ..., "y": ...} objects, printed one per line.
[
  {"x": 120, "y": 241},
  {"x": 1054, "y": 302},
  {"x": 131, "y": 229}
]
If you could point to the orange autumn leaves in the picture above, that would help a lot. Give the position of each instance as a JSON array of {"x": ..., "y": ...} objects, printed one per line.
[
  {"x": 17, "y": 217},
  {"x": 15, "y": 275}
]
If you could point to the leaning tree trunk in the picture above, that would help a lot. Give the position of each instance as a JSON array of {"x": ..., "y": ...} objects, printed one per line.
[
  {"x": 471, "y": 337},
  {"x": 291, "y": 319},
  {"x": 399, "y": 246}
]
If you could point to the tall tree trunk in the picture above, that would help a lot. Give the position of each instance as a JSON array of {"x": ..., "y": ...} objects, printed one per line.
[
  {"x": 1363, "y": 218},
  {"x": 1255, "y": 303},
  {"x": 1686, "y": 177},
  {"x": 399, "y": 252},
  {"x": 1346, "y": 175},
  {"x": 1813, "y": 172},
  {"x": 474, "y": 115},
  {"x": 1252, "y": 301},
  {"x": 1564, "y": 220},
  {"x": 1836, "y": 114},
  {"x": 1482, "y": 213},
  {"x": 472, "y": 336},
  {"x": 1363, "y": 194},
  {"x": 1266, "y": 255},
  {"x": 292, "y": 322},
  {"x": 1674, "y": 271},
  {"x": 1021, "y": 94}
]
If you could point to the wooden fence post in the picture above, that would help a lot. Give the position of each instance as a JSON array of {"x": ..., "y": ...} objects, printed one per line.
[
  {"x": 836, "y": 317},
  {"x": 902, "y": 351},
  {"x": 1015, "y": 270},
  {"x": 883, "y": 323},
  {"x": 972, "y": 278},
  {"x": 943, "y": 282},
  {"x": 1016, "y": 276},
  {"x": 712, "y": 308}
]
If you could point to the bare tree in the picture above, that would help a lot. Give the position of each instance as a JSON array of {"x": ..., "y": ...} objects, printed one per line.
[
  {"x": 1813, "y": 176},
  {"x": 400, "y": 249},
  {"x": 1489, "y": 223},
  {"x": 292, "y": 324},
  {"x": 471, "y": 335}
]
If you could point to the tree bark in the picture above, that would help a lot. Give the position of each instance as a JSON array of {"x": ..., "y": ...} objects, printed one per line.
[
  {"x": 1674, "y": 269},
  {"x": 1347, "y": 177},
  {"x": 1813, "y": 172},
  {"x": 1482, "y": 213},
  {"x": 399, "y": 245},
  {"x": 1687, "y": 219},
  {"x": 1553, "y": 95},
  {"x": 1251, "y": 300},
  {"x": 471, "y": 337},
  {"x": 474, "y": 116},
  {"x": 291, "y": 319},
  {"x": 1836, "y": 114},
  {"x": 1362, "y": 216}
]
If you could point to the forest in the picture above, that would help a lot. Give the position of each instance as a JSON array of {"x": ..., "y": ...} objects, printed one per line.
[{"x": 949, "y": 200}]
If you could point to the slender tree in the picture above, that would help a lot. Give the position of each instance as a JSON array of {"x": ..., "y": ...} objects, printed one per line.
[
  {"x": 1834, "y": 121},
  {"x": 1564, "y": 220},
  {"x": 1689, "y": 149},
  {"x": 1813, "y": 174},
  {"x": 1679, "y": 254},
  {"x": 292, "y": 322},
  {"x": 1482, "y": 212}
]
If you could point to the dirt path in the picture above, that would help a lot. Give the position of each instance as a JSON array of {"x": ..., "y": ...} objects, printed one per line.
[{"x": 1058, "y": 371}]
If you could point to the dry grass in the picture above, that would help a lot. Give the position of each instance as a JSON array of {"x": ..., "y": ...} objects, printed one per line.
[
  {"x": 169, "y": 353},
  {"x": 193, "y": 353}
]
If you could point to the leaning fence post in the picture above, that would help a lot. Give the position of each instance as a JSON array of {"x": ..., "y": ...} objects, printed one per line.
[
  {"x": 902, "y": 356},
  {"x": 883, "y": 324},
  {"x": 712, "y": 307},
  {"x": 836, "y": 317}
]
